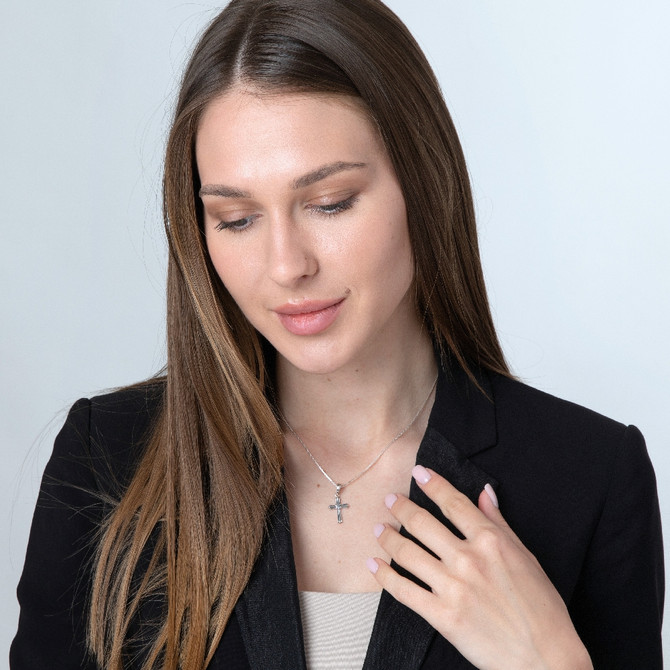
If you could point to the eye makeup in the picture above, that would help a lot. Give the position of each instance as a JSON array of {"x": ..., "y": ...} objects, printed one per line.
[{"x": 332, "y": 209}]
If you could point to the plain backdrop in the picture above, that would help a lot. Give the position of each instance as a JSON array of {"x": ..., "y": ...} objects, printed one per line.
[{"x": 563, "y": 112}]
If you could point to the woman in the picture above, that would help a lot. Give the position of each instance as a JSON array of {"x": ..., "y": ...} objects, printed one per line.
[{"x": 333, "y": 375}]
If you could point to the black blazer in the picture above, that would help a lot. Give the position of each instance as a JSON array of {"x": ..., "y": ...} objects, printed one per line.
[{"x": 577, "y": 488}]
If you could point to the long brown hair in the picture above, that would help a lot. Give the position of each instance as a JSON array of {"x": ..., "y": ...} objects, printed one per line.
[{"x": 190, "y": 525}]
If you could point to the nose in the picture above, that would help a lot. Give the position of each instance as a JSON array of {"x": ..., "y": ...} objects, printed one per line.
[{"x": 291, "y": 253}]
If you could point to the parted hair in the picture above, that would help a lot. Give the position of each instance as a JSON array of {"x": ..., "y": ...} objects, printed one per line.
[{"x": 189, "y": 527}]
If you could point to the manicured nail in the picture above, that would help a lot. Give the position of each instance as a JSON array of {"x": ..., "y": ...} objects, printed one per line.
[
  {"x": 378, "y": 529},
  {"x": 421, "y": 474},
  {"x": 390, "y": 499},
  {"x": 492, "y": 494},
  {"x": 372, "y": 565}
]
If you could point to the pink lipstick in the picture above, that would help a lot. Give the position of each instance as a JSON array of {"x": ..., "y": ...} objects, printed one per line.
[{"x": 309, "y": 317}]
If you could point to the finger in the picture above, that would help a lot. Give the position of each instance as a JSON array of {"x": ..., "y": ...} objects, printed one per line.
[
  {"x": 456, "y": 506},
  {"x": 402, "y": 589},
  {"x": 422, "y": 525},
  {"x": 488, "y": 504},
  {"x": 410, "y": 555}
]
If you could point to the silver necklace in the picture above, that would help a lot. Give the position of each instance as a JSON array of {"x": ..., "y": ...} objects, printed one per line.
[{"x": 338, "y": 506}]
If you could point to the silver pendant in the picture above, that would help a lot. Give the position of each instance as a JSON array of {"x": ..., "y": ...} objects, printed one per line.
[{"x": 339, "y": 505}]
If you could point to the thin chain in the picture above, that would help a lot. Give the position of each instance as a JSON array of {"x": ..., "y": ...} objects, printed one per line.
[{"x": 339, "y": 487}]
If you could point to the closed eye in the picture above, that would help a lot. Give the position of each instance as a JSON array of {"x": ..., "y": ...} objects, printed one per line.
[
  {"x": 238, "y": 225},
  {"x": 331, "y": 209},
  {"x": 334, "y": 208}
]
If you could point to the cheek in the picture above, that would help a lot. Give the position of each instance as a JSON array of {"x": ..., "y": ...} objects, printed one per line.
[
  {"x": 393, "y": 252},
  {"x": 234, "y": 271},
  {"x": 398, "y": 273},
  {"x": 219, "y": 260}
]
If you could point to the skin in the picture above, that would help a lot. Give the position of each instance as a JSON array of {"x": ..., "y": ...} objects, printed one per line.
[
  {"x": 349, "y": 389},
  {"x": 325, "y": 241},
  {"x": 489, "y": 595},
  {"x": 306, "y": 226}
]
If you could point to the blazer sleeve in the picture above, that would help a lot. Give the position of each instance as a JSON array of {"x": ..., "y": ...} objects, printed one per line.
[
  {"x": 618, "y": 604},
  {"x": 54, "y": 587}
]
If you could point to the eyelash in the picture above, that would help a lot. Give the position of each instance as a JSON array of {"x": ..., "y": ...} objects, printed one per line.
[
  {"x": 236, "y": 226},
  {"x": 336, "y": 207},
  {"x": 320, "y": 210}
]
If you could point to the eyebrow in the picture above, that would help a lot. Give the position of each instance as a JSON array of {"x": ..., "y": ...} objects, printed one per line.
[
  {"x": 301, "y": 182},
  {"x": 325, "y": 171}
]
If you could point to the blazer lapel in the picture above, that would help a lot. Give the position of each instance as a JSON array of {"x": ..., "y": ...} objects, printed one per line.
[
  {"x": 462, "y": 423},
  {"x": 269, "y": 609},
  {"x": 400, "y": 637}
]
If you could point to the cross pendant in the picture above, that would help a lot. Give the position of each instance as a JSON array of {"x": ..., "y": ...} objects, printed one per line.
[{"x": 339, "y": 505}]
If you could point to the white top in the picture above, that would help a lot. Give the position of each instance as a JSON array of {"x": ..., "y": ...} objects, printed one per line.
[{"x": 337, "y": 628}]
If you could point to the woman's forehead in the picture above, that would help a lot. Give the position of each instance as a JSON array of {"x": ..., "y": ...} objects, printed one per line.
[{"x": 243, "y": 135}]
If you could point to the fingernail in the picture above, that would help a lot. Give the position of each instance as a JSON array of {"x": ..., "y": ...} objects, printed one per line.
[
  {"x": 420, "y": 474},
  {"x": 492, "y": 494},
  {"x": 378, "y": 529},
  {"x": 390, "y": 499},
  {"x": 372, "y": 565}
]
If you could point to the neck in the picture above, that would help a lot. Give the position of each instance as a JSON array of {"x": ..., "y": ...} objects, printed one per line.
[{"x": 351, "y": 413}]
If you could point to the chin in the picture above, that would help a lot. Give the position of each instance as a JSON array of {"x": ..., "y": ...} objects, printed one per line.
[{"x": 314, "y": 358}]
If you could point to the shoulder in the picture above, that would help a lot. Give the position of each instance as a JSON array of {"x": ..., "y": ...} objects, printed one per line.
[
  {"x": 118, "y": 413},
  {"x": 535, "y": 408},
  {"x": 124, "y": 417},
  {"x": 560, "y": 461},
  {"x": 104, "y": 436},
  {"x": 561, "y": 434}
]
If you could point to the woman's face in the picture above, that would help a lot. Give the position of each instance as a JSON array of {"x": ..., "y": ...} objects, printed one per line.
[{"x": 306, "y": 226}]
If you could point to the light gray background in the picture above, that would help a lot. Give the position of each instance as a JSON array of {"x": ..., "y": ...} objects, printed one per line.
[{"x": 563, "y": 111}]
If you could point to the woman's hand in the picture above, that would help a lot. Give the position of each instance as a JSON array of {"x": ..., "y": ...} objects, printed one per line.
[{"x": 489, "y": 596}]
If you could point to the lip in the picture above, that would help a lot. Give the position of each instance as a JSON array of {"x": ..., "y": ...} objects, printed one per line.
[{"x": 309, "y": 317}]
